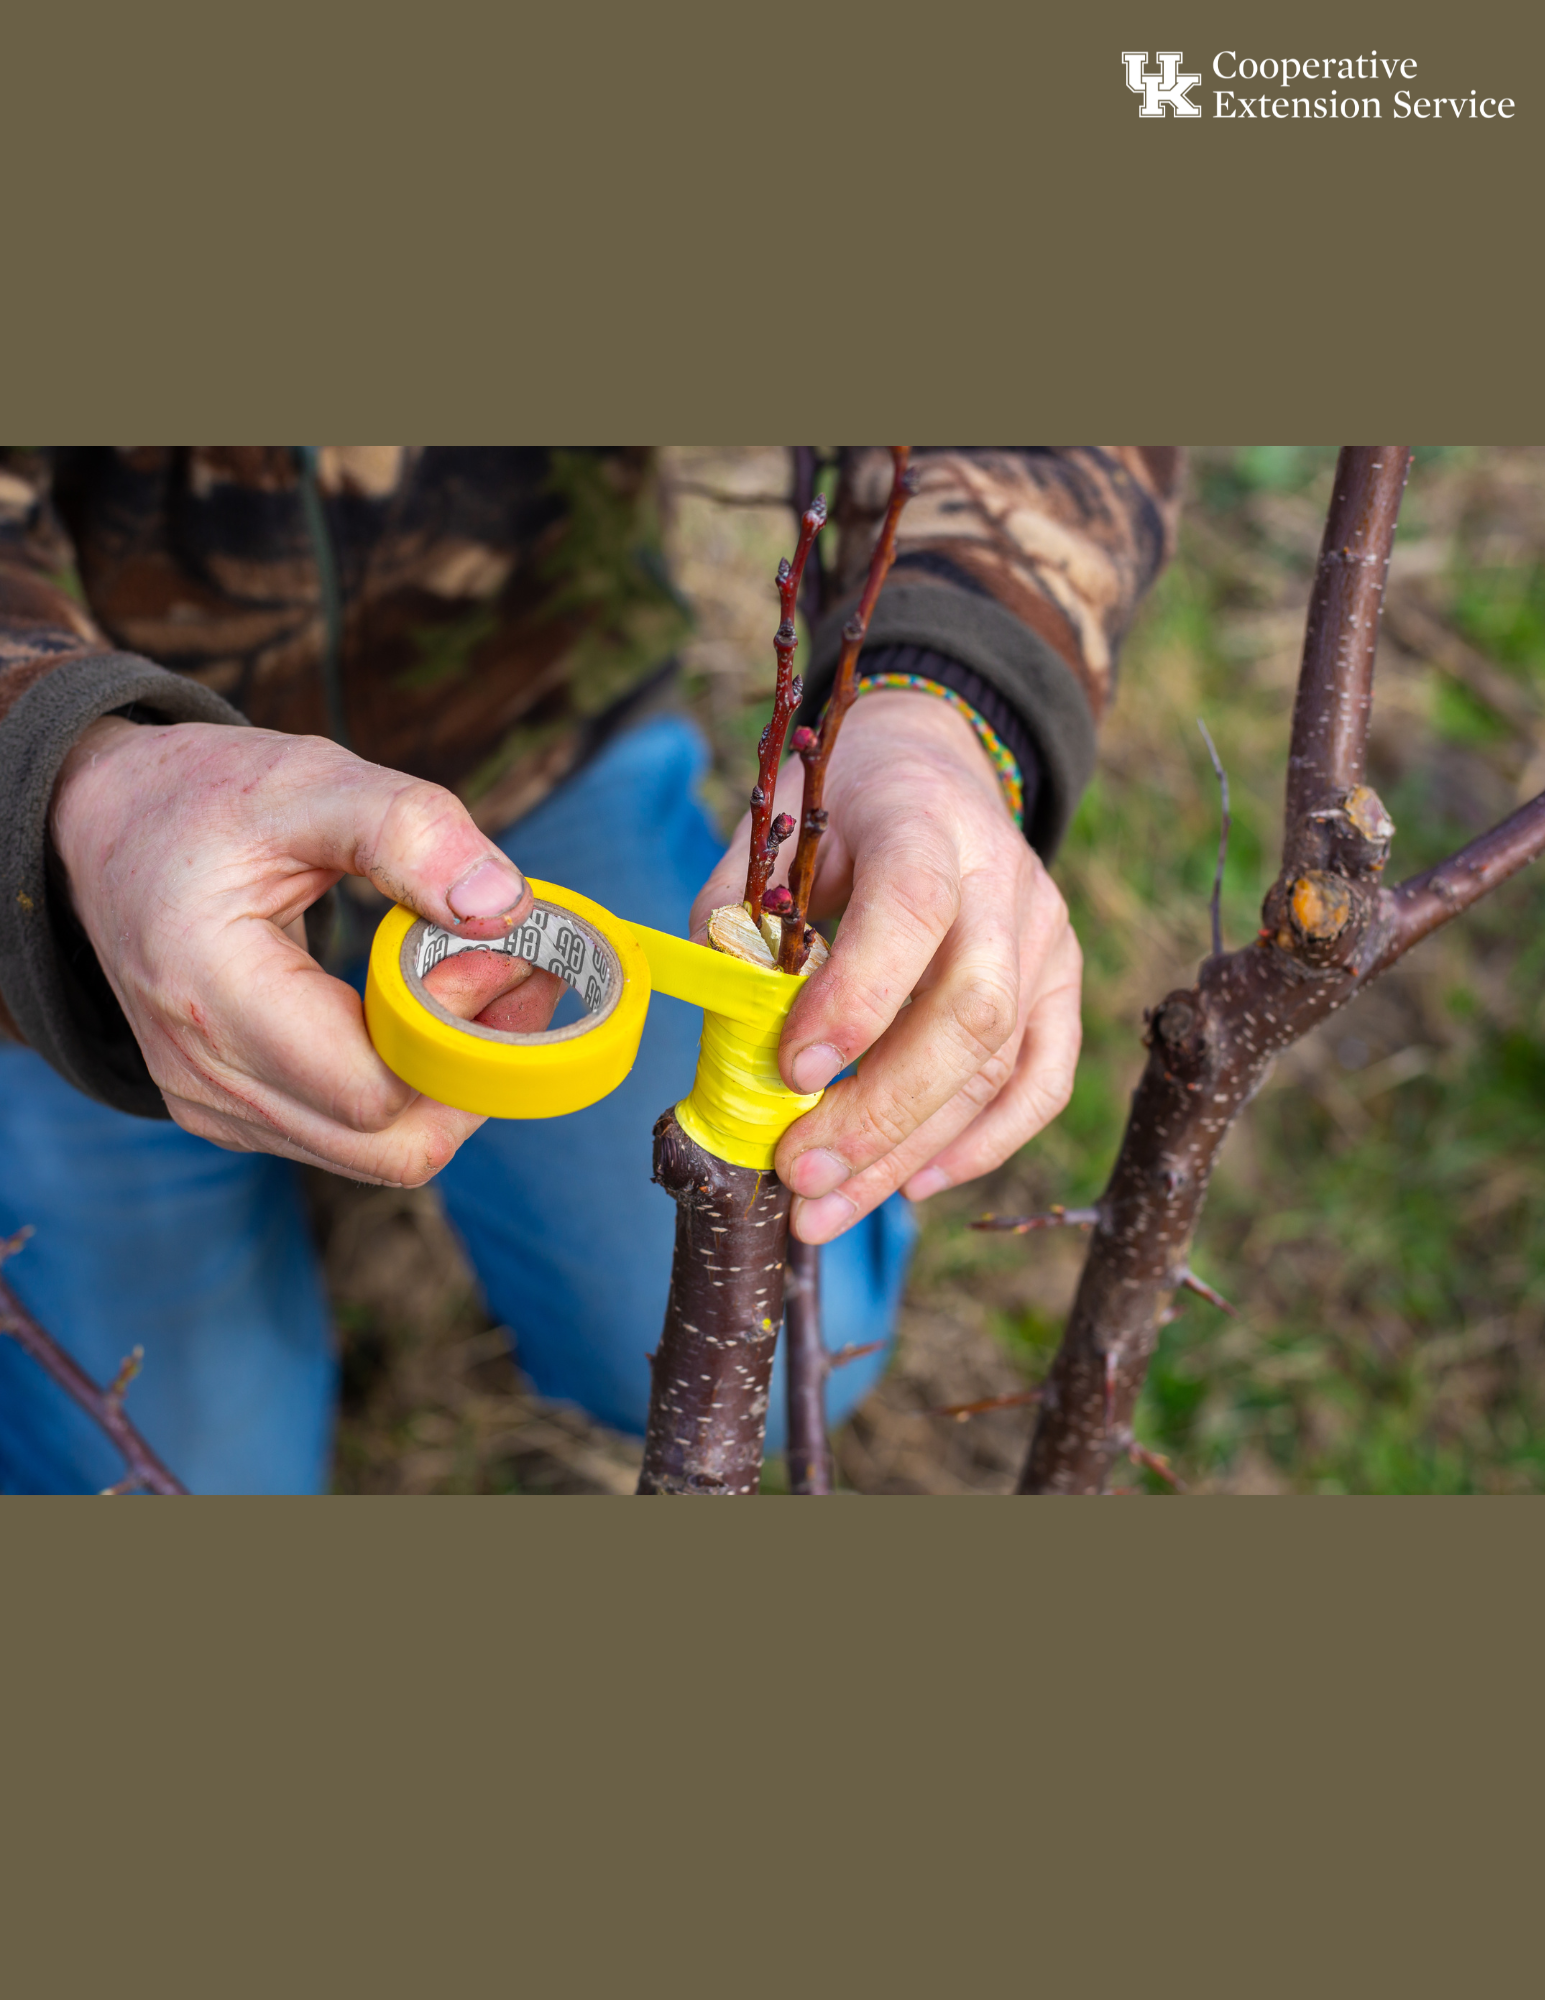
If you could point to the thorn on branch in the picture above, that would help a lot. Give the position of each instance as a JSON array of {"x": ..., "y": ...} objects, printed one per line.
[
  {"x": 1055, "y": 1218},
  {"x": 1205, "y": 1291},
  {"x": 128, "y": 1368},
  {"x": 9, "y": 1245},
  {"x": 841, "y": 1356},
  {"x": 961, "y": 1411},
  {"x": 1154, "y": 1462}
]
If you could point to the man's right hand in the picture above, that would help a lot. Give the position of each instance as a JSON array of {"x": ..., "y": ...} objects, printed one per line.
[{"x": 193, "y": 852}]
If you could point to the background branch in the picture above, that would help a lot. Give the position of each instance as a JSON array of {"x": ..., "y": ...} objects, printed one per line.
[
  {"x": 1329, "y": 927},
  {"x": 103, "y": 1406},
  {"x": 1426, "y": 902},
  {"x": 1335, "y": 681},
  {"x": 807, "y": 1365}
]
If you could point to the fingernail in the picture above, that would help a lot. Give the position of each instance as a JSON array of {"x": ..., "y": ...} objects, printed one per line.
[
  {"x": 932, "y": 1180},
  {"x": 491, "y": 889},
  {"x": 815, "y": 1067},
  {"x": 818, "y": 1172},
  {"x": 819, "y": 1221}
]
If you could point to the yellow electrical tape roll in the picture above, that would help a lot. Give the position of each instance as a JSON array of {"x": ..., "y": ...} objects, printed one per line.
[
  {"x": 738, "y": 1108},
  {"x": 488, "y": 1070}
]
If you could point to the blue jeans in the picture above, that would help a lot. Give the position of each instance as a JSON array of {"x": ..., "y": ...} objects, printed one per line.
[{"x": 147, "y": 1236}]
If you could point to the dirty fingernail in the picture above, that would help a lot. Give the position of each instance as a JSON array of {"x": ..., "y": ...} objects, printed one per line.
[
  {"x": 490, "y": 890},
  {"x": 931, "y": 1180},
  {"x": 815, "y": 1067},
  {"x": 817, "y": 1172},
  {"x": 819, "y": 1221}
]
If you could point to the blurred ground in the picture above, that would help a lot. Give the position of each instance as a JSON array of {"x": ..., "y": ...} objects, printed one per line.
[{"x": 1377, "y": 1215}]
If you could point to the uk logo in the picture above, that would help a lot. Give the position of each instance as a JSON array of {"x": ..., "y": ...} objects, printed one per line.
[{"x": 1161, "y": 89}]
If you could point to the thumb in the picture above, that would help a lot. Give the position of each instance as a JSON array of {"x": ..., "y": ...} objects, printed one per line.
[{"x": 416, "y": 842}]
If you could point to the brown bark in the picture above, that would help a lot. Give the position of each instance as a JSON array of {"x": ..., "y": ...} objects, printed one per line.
[
  {"x": 710, "y": 1373},
  {"x": 1329, "y": 928},
  {"x": 1335, "y": 681},
  {"x": 806, "y": 1365},
  {"x": 144, "y": 1469}
]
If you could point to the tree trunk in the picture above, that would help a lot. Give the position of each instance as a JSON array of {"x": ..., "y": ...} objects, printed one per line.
[{"x": 708, "y": 1402}]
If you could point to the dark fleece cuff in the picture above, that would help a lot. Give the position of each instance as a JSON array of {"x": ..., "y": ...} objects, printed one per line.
[
  {"x": 56, "y": 991},
  {"x": 977, "y": 694},
  {"x": 1033, "y": 679}
]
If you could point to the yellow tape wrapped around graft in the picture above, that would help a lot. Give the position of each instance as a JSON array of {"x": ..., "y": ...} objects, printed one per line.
[{"x": 740, "y": 1106}]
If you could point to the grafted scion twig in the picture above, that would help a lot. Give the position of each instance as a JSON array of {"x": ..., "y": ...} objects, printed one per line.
[{"x": 815, "y": 746}]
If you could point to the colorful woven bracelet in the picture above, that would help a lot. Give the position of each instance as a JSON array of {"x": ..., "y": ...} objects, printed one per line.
[{"x": 1003, "y": 759}]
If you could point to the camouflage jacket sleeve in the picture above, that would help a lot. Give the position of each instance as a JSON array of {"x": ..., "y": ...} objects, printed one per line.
[
  {"x": 57, "y": 676},
  {"x": 1023, "y": 563}
]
